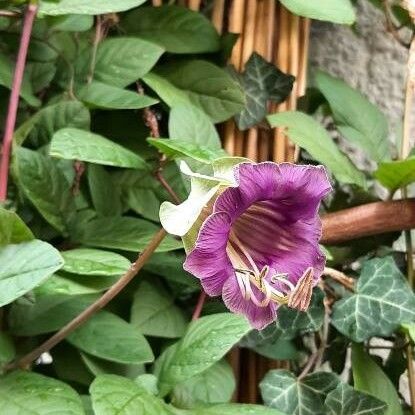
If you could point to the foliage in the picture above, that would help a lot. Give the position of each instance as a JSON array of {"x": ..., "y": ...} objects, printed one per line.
[{"x": 84, "y": 199}]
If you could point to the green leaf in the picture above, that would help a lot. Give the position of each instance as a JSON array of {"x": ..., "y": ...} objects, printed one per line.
[
  {"x": 177, "y": 149},
  {"x": 344, "y": 400},
  {"x": 293, "y": 322},
  {"x": 170, "y": 266},
  {"x": 71, "y": 22},
  {"x": 382, "y": 302},
  {"x": 336, "y": 11},
  {"x": 109, "y": 337},
  {"x": 74, "y": 285},
  {"x": 187, "y": 122},
  {"x": 85, "y": 261},
  {"x": 12, "y": 229},
  {"x": 24, "y": 266},
  {"x": 198, "y": 83},
  {"x": 309, "y": 134},
  {"x": 125, "y": 233},
  {"x": 396, "y": 174},
  {"x": 177, "y": 29},
  {"x": 41, "y": 126},
  {"x": 54, "y": 8},
  {"x": 280, "y": 389},
  {"x": 75, "y": 144},
  {"x": 121, "y": 61},
  {"x": 262, "y": 81},
  {"x": 409, "y": 328},
  {"x": 45, "y": 185},
  {"x": 154, "y": 313},
  {"x": 46, "y": 313},
  {"x": 100, "y": 95},
  {"x": 105, "y": 194},
  {"x": 6, "y": 80},
  {"x": 117, "y": 395},
  {"x": 104, "y": 367},
  {"x": 41, "y": 74},
  {"x": 24, "y": 392},
  {"x": 369, "y": 378},
  {"x": 214, "y": 385},
  {"x": 236, "y": 409},
  {"x": 206, "y": 341},
  {"x": 7, "y": 350},
  {"x": 356, "y": 118}
]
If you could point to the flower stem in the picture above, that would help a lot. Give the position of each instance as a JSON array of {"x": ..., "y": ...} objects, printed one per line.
[
  {"x": 199, "y": 306},
  {"x": 14, "y": 98},
  {"x": 341, "y": 278},
  {"x": 142, "y": 258}
]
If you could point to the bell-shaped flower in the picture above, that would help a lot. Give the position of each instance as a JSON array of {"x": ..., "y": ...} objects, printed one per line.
[{"x": 257, "y": 244}]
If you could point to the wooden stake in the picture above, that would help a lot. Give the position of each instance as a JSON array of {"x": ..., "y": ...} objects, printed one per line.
[
  {"x": 293, "y": 65},
  {"x": 194, "y": 5},
  {"x": 282, "y": 63},
  {"x": 217, "y": 14},
  {"x": 157, "y": 3}
]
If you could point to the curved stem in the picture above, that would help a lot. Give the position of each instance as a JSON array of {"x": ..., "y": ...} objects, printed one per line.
[
  {"x": 94, "y": 307},
  {"x": 14, "y": 98},
  {"x": 199, "y": 306}
]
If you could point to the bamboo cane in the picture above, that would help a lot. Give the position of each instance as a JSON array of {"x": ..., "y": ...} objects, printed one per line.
[{"x": 217, "y": 14}]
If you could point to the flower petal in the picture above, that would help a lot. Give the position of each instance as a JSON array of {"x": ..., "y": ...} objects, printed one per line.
[
  {"x": 259, "y": 317},
  {"x": 209, "y": 261}
]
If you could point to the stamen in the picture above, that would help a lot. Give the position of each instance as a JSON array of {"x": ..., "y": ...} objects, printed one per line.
[
  {"x": 244, "y": 251},
  {"x": 300, "y": 297},
  {"x": 284, "y": 279}
]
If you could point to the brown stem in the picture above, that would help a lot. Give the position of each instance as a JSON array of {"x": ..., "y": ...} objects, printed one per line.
[
  {"x": 9, "y": 13},
  {"x": 97, "y": 38},
  {"x": 367, "y": 220},
  {"x": 341, "y": 278},
  {"x": 93, "y": 308}
]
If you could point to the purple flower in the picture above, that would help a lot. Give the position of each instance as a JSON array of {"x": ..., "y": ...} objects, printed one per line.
[{"x": 259, "y": 246}]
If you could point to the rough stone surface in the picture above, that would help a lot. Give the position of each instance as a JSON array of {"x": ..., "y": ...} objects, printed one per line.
[{"x": 366, "y": 57}]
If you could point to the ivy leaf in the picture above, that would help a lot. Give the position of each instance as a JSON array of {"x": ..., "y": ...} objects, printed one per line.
[
  {"x": 84, "y": 261},
  {"x": 45, "y": 185},
  {"x": 6, "y": 80},
  {"x": 12, "y": 229},
  {"x": 54, "y": 8},
  {"x": 214, "y": 385},
  {"x": 109, "y": 337},
  {"x": 176, "y": 149},
  {"x": 396, "y": 174},
  {"x": 113, "y": 394},
  {"x": 369, "y": 378},
  {"x": 24, "y": 266},
  {"x": 198, "y": 83},
  {"x": 381, "y": 303},
  {"x": 177, "y": 29},
  {"x": 206, "y": 341},
  {"x": 356, "y": 118},
  {"x": 187, "y": 122},
  {"x": 310, "y": 135},
  {"x": 100, "y": 95},
  {"x": 75, "y": 144},
  {"x": 41, "y": 126},
  {"x": 344, "y": 400},
  {"x": 125, "y": 233},
  {"x": 121, "y": 61},
  {"x": 31, "y": 393},
  {"x": 46, "y": 313},
  {"x": 336, "y": 11},
  {"x": 280, "y": 389},
  {"x": 154, "y": 313},
  {"x": 262, "y": 81}
]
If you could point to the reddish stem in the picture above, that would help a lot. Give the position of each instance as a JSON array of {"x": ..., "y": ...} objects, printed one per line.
[
  {"x": 14, "y": 98},
  {"x": 199, "y": 306}
]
